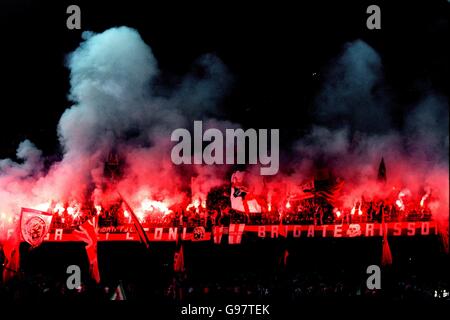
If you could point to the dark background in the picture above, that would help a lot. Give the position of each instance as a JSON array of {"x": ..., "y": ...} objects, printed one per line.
[
  {"x": 272, "y": 49},
  {"x": 418, "y": 261}
]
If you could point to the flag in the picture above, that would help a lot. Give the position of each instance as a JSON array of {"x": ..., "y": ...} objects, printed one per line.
[
  {"x": 217, "y": 234},
  {"x": 307, "y": 186},
  {"x": 178, "y": 260},
  {"x": 119, "y": 293},
  {"x": 305, "y": 191},
  {"x": 282, "y": 230},
  {"x": 330, "y": 192},
  {"x": 285, "y": 257},
  {"x": 386, "y": 257},
  {"x": 88, "y": 234},
  {"x": 11, "y": 250},
  {"x": 235, "y": 233},
  {"x": 137, "y": 225},
  {"x": 241, "y": 199},
  {"x": 443, "y": 234},
  {"x": 34, "y": 225},
  {"x": 382, "y": 171}
]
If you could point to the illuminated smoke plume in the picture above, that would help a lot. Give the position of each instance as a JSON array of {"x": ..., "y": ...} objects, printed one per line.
[
  {"x": 354, "y": 129},
  {"x": 119, "y": 106},
  {"x": 116, "y": 108}
]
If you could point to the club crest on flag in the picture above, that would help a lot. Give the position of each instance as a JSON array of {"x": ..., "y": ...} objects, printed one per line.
[
  {"x": 198, "y": 233},
  {"x": 354, "y": 230},
  {"x": 34, "y": 225}
]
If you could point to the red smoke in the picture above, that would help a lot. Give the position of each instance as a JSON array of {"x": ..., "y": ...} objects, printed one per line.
[{"x": 115, "y": 112}]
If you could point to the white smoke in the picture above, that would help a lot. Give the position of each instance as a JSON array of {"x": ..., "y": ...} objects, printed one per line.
[{"x": 116, "y": 108}]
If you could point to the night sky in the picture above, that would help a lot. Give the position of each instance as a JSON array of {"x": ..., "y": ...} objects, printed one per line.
[{"x": 276, "y": 53}]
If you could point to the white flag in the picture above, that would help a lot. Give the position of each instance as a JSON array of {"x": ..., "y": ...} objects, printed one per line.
[
  {"x": 34, "y": 225},
  {"x": 240, "y": 197}
]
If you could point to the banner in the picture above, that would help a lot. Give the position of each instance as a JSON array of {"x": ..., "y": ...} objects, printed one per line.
[
  {"x": 236, "y": 232},
  {"x": 34, "y": 225},
  {"x": 128, "y": 233},
  {"x": 353, "y": 230}
]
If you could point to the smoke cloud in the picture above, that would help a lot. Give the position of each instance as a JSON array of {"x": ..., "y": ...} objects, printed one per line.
[
  {"x": 354, "y": 130},
  {"x": 118, "y": 108}
]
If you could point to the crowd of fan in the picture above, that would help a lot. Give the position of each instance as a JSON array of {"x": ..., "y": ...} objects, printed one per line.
[
  {"x": 319, "y": 213},
  {"x": 298, "y": 285},
  {"x": 248, "y": 286},
  {"x": 307, "y": 213}
]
